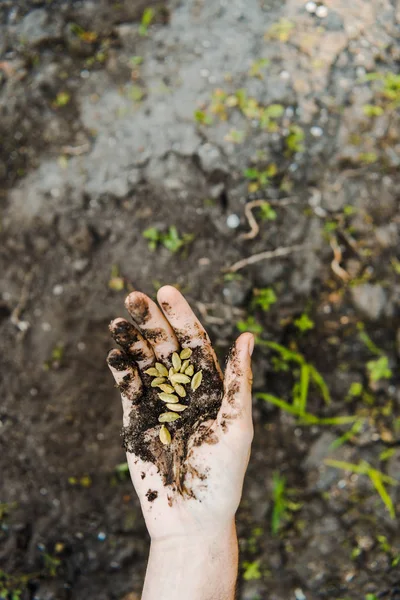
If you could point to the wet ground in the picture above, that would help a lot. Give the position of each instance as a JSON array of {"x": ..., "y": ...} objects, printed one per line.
[{"x": 134, "y": 138}]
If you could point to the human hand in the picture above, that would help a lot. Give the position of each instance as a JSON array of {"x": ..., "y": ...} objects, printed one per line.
[{"x": 195, "y": 482}]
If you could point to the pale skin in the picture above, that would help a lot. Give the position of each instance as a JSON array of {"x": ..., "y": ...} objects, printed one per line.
[{"x": 194, "y": 551}]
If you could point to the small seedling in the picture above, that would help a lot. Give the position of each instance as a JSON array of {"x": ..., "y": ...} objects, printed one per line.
[
  {"x": 62, "y": 99},
  {"x": 264, "y": 298},
  {"x": 282, "y": 506},
  {"x": 251, "y": 325},
  {"x": 267, "y": 213},
  {"x": 257, "y": 67},
  {"x": 147, "y": 18},
  {"x": 294, "y": 140},
  {"x": 379, "y": 369},
  {"x": 282, "y": 30},
  {"x": 377, "y": 478},
  {"x": 116, "y": 283},
  {"x": 171, "y": 240},
  {"x": 251, "y": 570},
  {"x": 304, "y": 323}
]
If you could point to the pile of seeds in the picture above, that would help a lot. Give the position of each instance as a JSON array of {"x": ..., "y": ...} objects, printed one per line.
[{"x": 172, "y": 385}]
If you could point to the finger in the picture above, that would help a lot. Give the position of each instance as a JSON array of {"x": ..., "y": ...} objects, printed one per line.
[
  {"x": 153, "y": 325},
  {"x": 188, "y": 329},
  {"x": 132, "y": 342},
  {"x": 235, "y": 415},
  {"x": 128, "y": 380}
]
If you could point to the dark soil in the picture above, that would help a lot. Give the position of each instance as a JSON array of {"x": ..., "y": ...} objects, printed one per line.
[{"x": 98, "y": 144}]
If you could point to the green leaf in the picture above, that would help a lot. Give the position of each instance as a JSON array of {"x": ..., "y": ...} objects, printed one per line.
[
  {"x": 379, "y": 369},
  {"x": 251, "y": 325},
  {"x": 264, "y": 298},
  {"x": 304, "y": 323}
]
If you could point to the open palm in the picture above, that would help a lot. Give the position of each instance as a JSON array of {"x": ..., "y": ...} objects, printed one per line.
[{"x": 194, "y": 483}]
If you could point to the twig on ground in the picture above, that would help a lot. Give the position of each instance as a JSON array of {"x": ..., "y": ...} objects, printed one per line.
[
  {"x": 337, "y": 257},
  {"x": 278, "y": 252},
  {"x": 203, "y": 309},
  {"x": 248, "y": 211}
]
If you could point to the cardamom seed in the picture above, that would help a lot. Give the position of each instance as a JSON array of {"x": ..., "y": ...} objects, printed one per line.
[
  {"x": 180, "y": 390},
  {"x": 163, "y": 371},
  {"x": 168, "y": 417},
  {"x": 176, "y": 361},
  {"x": 157, "y": 381},
  {"x": 168, "y": 389},
  {"x": 177, "y": 407},
  {"x": 165, "y": 436},
  {"x": 186, "y": 353},
  {"x": 171, "y": 398},
  {"x": 179, "y": 378},
  {"x": 189, "y": 370},
  {"x": 196, "y": 381},
  {"x": 153, "y": 372}
]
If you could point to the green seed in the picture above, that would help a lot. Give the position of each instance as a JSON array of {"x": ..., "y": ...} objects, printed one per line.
[
  {"x": 165, "y": 436},
  {"x": 180, "y": 390},
  {"x": 168, "y": 417},
  {"x": 163, "y": 371},
  {"x": 189, "y": 370},
  {"x": 177, "y": 407},
  {"x": 157, "y": 381},
  {"x": 153, "y": 372},
  {"x": 186, "y": 353},
  {"x": 168, "y": 389},
  {"x": 168, "y": 398},
  {"x": 176, "y": 361},
  {"x": 196, "y": 381},
  {"x": 185, "y": 365},
  {"x": 171, "y": 372},
  {"x": 179, "y": 378}
]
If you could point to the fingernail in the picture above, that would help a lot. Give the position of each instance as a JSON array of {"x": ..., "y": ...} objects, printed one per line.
[{"x": 251, "y": 345}]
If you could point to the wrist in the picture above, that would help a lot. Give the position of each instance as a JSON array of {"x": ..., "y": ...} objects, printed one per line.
[{"x": 198, "y": 566}]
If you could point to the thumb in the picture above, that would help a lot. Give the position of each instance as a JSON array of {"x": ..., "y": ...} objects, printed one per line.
[{"x": 235, "y": 415}]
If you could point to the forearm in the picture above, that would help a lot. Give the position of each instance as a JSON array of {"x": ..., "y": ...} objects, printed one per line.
[{"x": 201, "y": 568}]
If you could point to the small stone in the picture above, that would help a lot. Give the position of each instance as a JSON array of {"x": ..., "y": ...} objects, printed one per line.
[
  {"x": 58, "y": 290},
  {"x": 316, "y": 131},
  {"x": 311, "y": 7},
  {"x": 233, "y": 221},
  {"x": 369, "y": 299},
  {"x": 101, "y": 536},
  {"x": 321, "y": 11}
]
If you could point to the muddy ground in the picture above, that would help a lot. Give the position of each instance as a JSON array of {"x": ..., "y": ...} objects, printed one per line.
[{"x": 112, "y": 125}]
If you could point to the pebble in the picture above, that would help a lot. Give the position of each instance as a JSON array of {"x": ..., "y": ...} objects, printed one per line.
[
  {"x": 316, "y": 131},
  {"x": 311, "y": 7},
  {"x": 369, "y": 299},
  {"x": 233, "y": 221},
  {"x": 299, "y": 594},
  {"x": 101, "y": 536},
  {"x": 58, "y": 290},
  {"x": 321, "y": 12}
]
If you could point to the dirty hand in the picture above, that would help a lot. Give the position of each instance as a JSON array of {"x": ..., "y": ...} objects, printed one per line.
[{"x": 187, "y": 472}]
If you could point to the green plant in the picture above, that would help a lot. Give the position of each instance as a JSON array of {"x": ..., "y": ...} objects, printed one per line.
[
  {"x": 116, "y": 282},
  {"x": 281, "y": 30},
  {"x": 251, "y": 325},
  {"x": 147, "y": 18},
  {"x": 370, "y": 110},
  {"x": 305, "y": 374},
  {"x": 267, "y": 213},
  {"x": 171, "y": 240},
  {"x": 379, "y": 369},
  {"x": 294, "y": 139},
  {"x": 135, "y": 93},
  {"x": 257, "y": 66},
  {"x": 304, "y": 323},
  {"x": 264, "y": 298},
  {"x": 282, "y": 506},
  {"x": 136, "y": 61},
  {"x": 201, "y": 117},
  {"x": 377, "y": 478},
  {"x": 51, "y": 564},
  {"x": 261, "y": 178},
  {"x": 62, "y": 99},
  {"x": 251, "y": 570}
]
